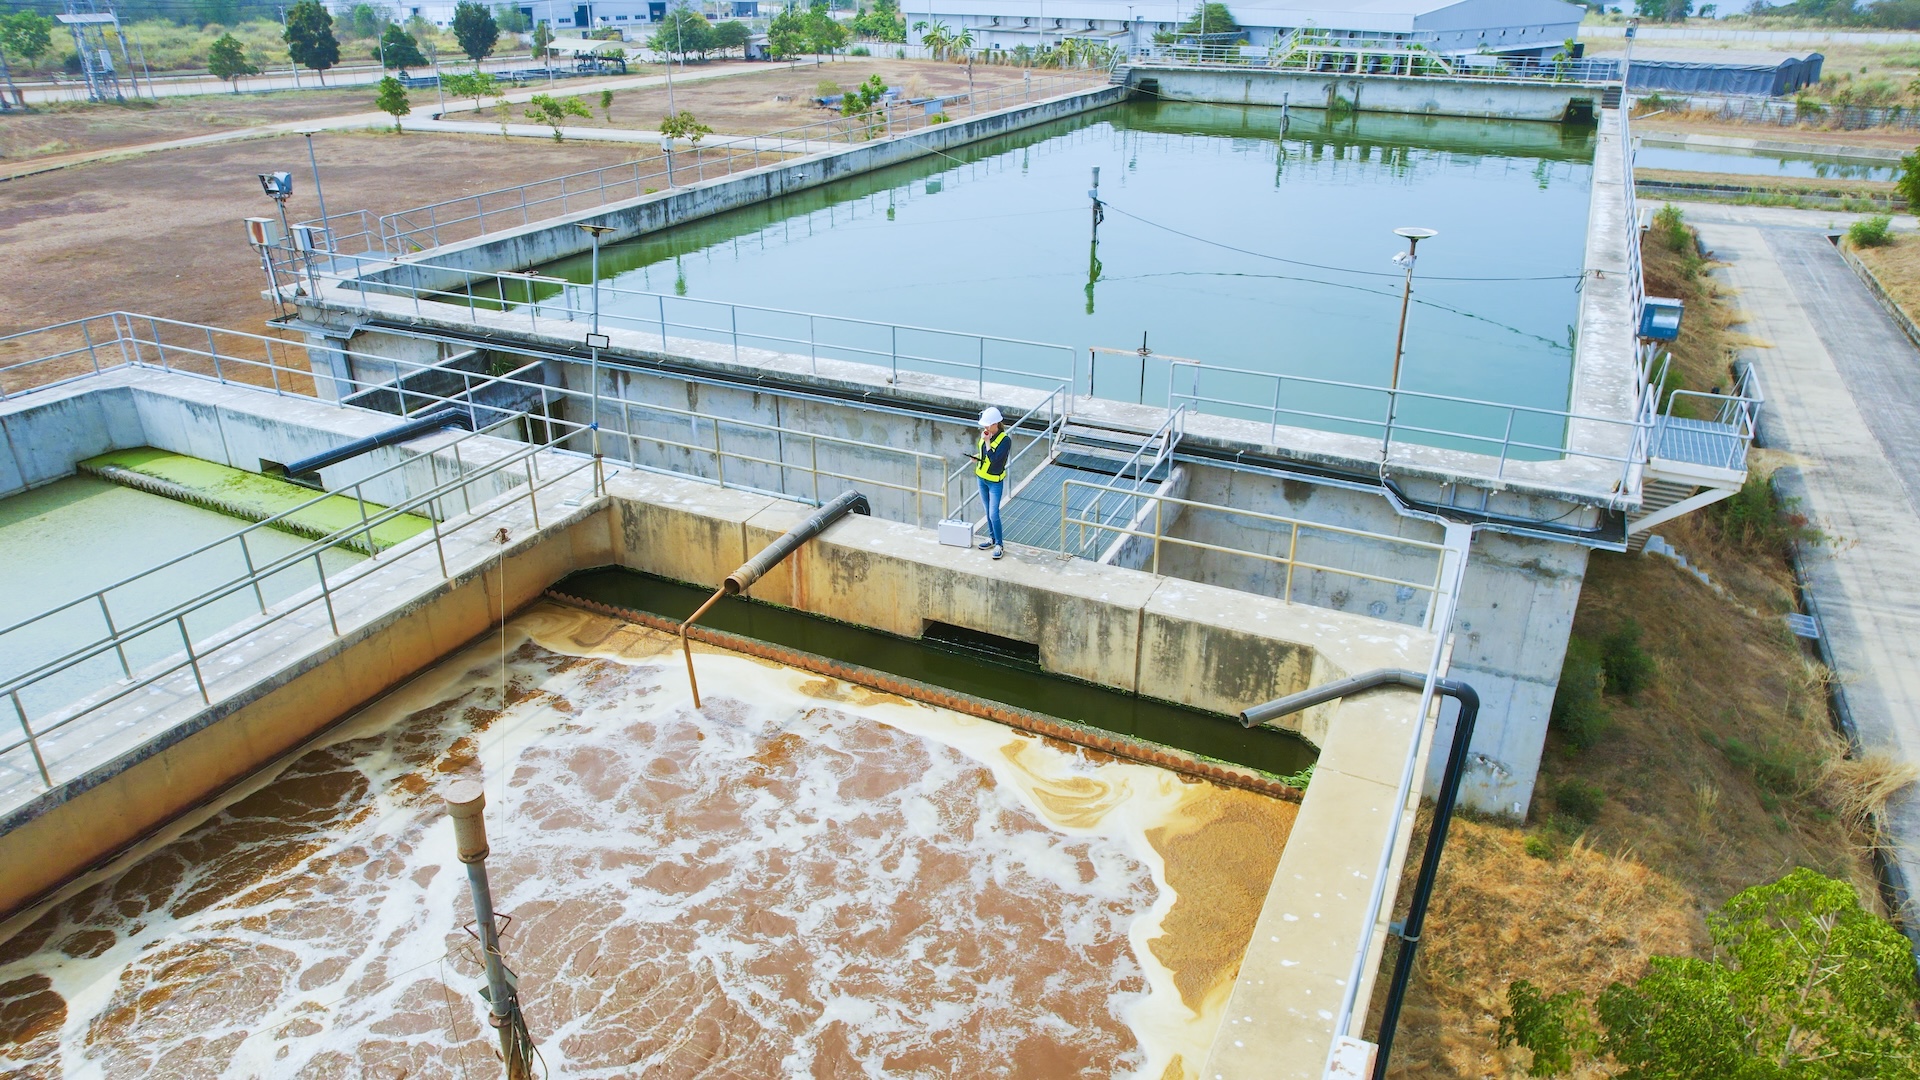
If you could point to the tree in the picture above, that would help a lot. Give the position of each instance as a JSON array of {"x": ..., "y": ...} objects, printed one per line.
[
  {"x": 542, "y": 37},
  {"x": 26, "y": 34},
  {"x": 1909, "y": 183},
  {"x": 309, "y": 37},
  {"x": 553, "y": 112},
  {"x": 863, "y": 101},
  {"x": 393, "y": 100},
  {"x": 606, "y": 105},
  {"x": 683, "y": 31},
  {"x": 227, "y": 59},
  {"x": 936, "y": 37},
  {"x": 731, "y": 35},
  {"x": 473, "y": 84},
  {"x": 218, "y": 12},
  {"x": 474, "y": 28},
  {"x": 883, "y": 23},
  {"x": 398, "y": 50},
  {"x": 682, "y": 125},
  {"x": 366, "y": 21},
  {"x": 1663, "y": 10},
  {"x": 824, "y": 33},
  {"x": 1211, "y": 18},
  {"x": 511, "y": 19},
  {"x": 1803, "y": 983},
  {"x": 787, "y": 34}
]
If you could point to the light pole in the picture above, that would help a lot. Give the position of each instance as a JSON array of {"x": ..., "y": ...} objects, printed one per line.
[
  {"x": 595, "y": 342},
  {"x": 1405, "y": 261},
  {"x": 325, "y": 223}
]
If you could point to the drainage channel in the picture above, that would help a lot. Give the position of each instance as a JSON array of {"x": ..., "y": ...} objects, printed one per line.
[{"x": 971, "y": 673}]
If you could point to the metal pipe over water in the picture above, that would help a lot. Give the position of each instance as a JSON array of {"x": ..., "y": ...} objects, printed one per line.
[
  {"x": 466, "y": 804},
  {"x": 753, "y": 569}
]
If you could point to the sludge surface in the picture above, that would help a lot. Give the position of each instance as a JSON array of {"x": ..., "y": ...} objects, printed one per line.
[{"x": 805, "y": 879}]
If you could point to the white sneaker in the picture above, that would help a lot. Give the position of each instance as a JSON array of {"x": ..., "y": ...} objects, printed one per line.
[
  {"x": 998, "y": 551},
  {"x": 985, "y": 544}
]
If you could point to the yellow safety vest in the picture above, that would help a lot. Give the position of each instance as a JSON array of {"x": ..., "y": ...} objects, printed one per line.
[{"x": 980, "y": 469}]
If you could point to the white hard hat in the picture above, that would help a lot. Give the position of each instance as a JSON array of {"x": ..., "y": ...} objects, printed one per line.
[{"x": 990, "y": 417}]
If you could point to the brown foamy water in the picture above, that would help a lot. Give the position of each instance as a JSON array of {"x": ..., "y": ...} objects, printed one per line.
[{"x": 805, "y": 878}]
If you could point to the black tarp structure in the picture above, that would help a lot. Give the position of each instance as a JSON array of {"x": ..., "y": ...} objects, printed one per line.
[{"x": 1709, "y": 71}]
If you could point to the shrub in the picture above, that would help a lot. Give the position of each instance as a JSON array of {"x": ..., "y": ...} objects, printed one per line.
[
  {"x": 1628, "y": 667},
  {"x": 826, "y": 88},
  {"x": 1757, "y": 519},
  {"x": 1579, "y": 800},
  {"x": 1578, "y": 713},
  {"x": 859, "y": 50},
  {"x": 1776, "y": 769},
  {"x": 1870, "y": 232},
  {"x": 1542, "y": 847},
  {"x": 1670, "y": 228}
]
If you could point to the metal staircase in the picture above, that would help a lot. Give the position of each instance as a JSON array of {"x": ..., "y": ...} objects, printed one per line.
[
  {"x": 1097, "y": 481},
  {"x": 1694, "y": 462},
  {"x": 1121, "y": 74}
]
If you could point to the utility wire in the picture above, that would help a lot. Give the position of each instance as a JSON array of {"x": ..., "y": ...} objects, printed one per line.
[{"x": 1322, "y": 266}]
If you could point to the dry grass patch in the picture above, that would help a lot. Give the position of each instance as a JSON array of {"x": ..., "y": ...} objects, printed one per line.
[{"x": 1897, "y": 266}]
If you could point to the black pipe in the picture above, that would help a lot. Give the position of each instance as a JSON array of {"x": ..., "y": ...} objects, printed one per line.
[
  {"x": 303, "y": 470},
  {"x": 1409, "y": 933}
]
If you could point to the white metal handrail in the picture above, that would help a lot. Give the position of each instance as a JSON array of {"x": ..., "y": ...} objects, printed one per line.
[
  {"x": 323, "y": 593},
  {"x": 1055, "y": 407},
  {"x": 1295, "y": 526}
]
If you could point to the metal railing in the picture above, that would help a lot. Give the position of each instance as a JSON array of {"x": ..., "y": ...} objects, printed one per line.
[
  {"x": 1055, "y": 408},
  {"x": 1131, "y": 481},
  {"x": 469, "y": 216},
  {"x": 1155, "y": 507},
  {"x": 1717, "y": 436},
  {"x": 975, "y": 358},
  {"x": 1505, "y": 433},
  {"x": 195, "y": 655},
  {"x": 1378, "y": 56}
]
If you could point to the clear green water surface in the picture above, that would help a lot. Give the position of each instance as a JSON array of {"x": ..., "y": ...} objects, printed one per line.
[{"x": 996, "y": 239}]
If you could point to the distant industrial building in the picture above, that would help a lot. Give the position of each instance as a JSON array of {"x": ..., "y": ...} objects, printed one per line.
[
  {"x": 1450, "y": 27},
  {"x": 1720, "y": 71}
]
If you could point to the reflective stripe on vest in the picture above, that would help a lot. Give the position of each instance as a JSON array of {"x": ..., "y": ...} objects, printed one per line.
[{"x": 981, "y": 470}]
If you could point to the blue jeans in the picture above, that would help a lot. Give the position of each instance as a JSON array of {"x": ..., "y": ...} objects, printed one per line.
[{"x": 991, "y": 492}]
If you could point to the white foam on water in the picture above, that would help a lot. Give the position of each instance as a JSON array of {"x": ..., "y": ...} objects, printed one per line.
[{"x": 753, "y": 889}]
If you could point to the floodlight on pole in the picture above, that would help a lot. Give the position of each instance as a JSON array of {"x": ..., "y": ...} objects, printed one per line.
[{"x": 1405, "y": 260}]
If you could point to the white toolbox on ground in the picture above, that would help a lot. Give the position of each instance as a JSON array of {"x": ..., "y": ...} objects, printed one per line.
[{"x": 956, "y": 532}]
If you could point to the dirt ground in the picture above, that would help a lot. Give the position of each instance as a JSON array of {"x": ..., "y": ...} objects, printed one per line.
[
  {"x": 1897, "y": 265},
  {"x": 1711, "y": 779},
  {"x": 161, "y": 233},
  {"x": 779, "y": 97},
  {"x": 71, "y": 128}
]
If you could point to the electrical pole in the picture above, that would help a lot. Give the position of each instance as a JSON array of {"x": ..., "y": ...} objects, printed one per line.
[
  {"x": 326, "y": 223},
  {"x": 291, "y": 66},
  {"x": 466, "y": 804},
  {"x": 1405, "y": 261},
  {"x": 1093, "y": 251}
]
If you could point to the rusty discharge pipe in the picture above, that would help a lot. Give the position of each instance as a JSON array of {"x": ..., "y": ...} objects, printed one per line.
[{"x": 751, "y": 571}]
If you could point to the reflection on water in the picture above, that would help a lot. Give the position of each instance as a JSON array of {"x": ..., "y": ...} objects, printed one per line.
[
  {"x": 1755, "y": 163},
  {"x": 1235, "y": 235},
  {"x": 806, "y": 879}
]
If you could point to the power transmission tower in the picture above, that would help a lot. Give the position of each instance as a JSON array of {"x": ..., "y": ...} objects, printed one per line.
[{"x": 89, "y": 27}]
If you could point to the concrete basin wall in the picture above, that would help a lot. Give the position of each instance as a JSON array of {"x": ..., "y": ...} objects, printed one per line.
[
  {"x": 558, "y": 238},
  {"x": 1490, "y": 99}
]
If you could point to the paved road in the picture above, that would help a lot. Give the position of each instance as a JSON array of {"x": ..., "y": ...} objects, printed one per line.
[{"x": 1842, "y": 385}]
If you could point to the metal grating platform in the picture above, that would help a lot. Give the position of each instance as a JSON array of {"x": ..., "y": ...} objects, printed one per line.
[
  {"x": 1033, "y": 516},
  {"x": 1700, "y": 442}
]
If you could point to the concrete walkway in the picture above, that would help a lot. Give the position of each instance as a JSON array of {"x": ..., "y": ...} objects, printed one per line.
[
  {"x": 428, "y": 122},
  {"x": 1842, "y": 386}
]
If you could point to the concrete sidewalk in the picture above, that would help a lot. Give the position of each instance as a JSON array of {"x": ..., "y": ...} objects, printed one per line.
[
  {"x": 429, "y": 122},
  {"x": 1842, "y": 386}
]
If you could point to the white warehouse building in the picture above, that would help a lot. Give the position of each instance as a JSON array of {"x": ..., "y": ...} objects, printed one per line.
[{"x": 1452, "y": 27}]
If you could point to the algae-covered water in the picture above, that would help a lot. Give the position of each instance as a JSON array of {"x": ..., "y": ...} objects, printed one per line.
[
  {"x": 804, "y": 878},
  {"x": 1236, "y": 235},
  {"x": 64, "y": 541}
]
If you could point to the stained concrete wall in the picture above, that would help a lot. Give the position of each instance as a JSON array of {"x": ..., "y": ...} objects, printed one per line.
[{"x": 1491, "y": 99}]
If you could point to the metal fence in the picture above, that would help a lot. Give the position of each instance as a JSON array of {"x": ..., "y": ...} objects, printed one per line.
[
  {"x": 469, "y": 216},
  {"x": 1357, "y": 56}
]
